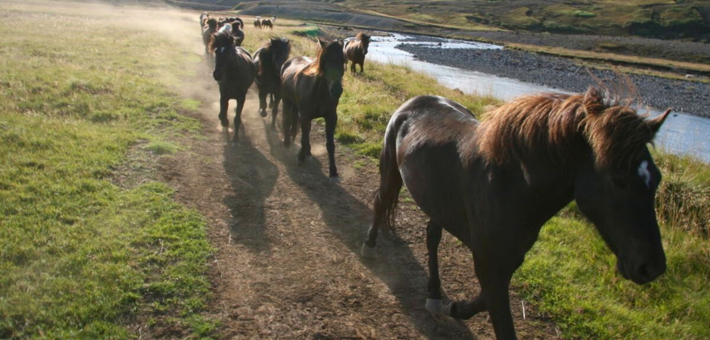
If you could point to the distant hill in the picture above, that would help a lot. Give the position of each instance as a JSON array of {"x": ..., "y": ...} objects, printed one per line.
[{"x": 667, "y": 19}]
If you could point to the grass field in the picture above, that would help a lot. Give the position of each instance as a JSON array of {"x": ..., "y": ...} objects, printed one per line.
[
  {"x": 84, "y": 251},
  {"x": 81, "y": 256}
]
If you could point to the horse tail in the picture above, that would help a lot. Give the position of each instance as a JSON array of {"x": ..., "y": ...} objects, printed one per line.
[{"x": 387, "y": 196}]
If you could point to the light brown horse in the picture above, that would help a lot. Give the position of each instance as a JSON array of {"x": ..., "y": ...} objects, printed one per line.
[
  {"x": 234, "y": 72},
  {"x": 310, "y": 89},
  {"x": 355, "y": 51},
  {"x": 208, "y": 30},
  {"x": 493, "y": 184},
  {"x": 203, "y": 19}
]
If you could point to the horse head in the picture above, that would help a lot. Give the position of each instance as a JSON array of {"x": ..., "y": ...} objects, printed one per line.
[
  {"x": 616, "y": 185},
  {"x": 365, "y": 39},
  {"x": 223, "y": 46},
  {"x": 331, "y": 59},
  {"x": 280, "y": 50}
]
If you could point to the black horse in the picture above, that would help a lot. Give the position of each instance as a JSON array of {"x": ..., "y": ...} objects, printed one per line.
[
  {"x": 234, "y": 72},
  {"x": 494, "y": 184},
  {"x": 311, "y": 89},
  {"x": 268, "y": 61}
]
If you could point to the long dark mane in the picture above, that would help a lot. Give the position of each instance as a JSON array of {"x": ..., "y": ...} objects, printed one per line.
[
  {"x": 332, "y": 49},
  {"x": 548, "y": 125}
]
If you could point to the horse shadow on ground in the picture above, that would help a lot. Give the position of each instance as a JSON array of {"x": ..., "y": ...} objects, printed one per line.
[
  {"x": 348, "y": 218},
  {"x": 252, "y": 180}
]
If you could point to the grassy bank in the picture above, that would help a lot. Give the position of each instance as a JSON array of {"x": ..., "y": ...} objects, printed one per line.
[{"x": 82, "y": 255}]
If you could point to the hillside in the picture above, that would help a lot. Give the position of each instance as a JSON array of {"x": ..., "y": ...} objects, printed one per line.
[{"x": 679, "y": 19}]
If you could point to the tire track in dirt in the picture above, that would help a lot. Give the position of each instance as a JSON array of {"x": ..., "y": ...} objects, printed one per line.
[{"x": 287, "y": 241}]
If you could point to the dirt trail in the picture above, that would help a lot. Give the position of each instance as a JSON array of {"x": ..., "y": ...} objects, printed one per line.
[{"x": 287, "y": 240}]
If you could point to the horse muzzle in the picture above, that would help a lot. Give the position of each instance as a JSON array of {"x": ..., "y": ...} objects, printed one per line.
[
  {"x": 336, "y": 90},
  {"x": 641, "y": 273}
]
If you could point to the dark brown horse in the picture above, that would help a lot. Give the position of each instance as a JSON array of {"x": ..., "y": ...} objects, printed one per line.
[
  {"x": 257, "y": 22},
  {"x": 268, "y": 61},
  {"x": 267, "y": 23},
  {"x": 494, "y": 184},
  {"x": 311, "y": 89},
  {"x": 208, "y": 30},
  {"x": 234, "y": 72},
  {"x": 355, "y": 51}
]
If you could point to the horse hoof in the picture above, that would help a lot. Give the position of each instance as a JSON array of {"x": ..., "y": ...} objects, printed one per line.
[
  {"x": 438, "y": 309},
  {"x": 367, "y": 252},
  {"x": 335, "y": 179},
  {"x": 225, "y": 129},
  {"x": 262, "y": 113}
]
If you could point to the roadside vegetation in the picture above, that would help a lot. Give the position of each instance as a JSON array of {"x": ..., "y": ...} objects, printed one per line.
[{"x": 90, "y": 247}]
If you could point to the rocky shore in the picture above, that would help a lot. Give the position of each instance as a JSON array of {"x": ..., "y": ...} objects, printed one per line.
[{"x": 564, "y": 74}]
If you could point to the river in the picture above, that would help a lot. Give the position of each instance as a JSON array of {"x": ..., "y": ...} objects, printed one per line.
[{"x": 681, "y": 134}]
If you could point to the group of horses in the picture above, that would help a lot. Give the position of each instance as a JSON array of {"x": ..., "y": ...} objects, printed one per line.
[
  {"x": 209, "y": 26},
  {"x": 264, "y": 23},
  {"x": 491, "y": 184}
]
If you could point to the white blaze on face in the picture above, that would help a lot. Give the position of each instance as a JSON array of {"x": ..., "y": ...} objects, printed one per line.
[{"x": 644, "y": 173}]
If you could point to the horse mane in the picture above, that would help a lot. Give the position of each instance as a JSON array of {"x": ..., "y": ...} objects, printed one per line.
[
  {"x": 315, "y": 68},
  {"x": 363, "y": 37},
  {"x": 548, "y": 125}
]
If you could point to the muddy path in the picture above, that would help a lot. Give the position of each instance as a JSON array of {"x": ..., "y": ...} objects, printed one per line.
[{"x": 287, "y": 263}]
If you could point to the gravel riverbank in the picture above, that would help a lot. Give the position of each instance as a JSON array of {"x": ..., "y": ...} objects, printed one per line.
[{"x": 564, "y": 74}]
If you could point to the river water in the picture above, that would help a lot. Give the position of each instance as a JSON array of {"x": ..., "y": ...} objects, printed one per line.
[{"x": 681, "y": 134}]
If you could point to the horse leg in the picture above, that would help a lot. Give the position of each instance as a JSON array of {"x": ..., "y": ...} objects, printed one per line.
[
  {"x": 305, "y": 139},
  {"x": 223, "y": 106},
  {"x": 238, "y": 116},
  {"x": 352, "y": 67},
  {"x": 262, "y": 102},
  {"x": 362, "y": 66},
  {"x": 275, "y": 109},
  {"x": 495, "y": 282},
  {"x": 433, "y": 302},
  {"x": 271, "y": 101},
  {"x": 330, "y": 122},
  {"x": 286, "y": 121}
]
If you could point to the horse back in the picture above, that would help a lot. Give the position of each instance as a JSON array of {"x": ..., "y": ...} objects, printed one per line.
[{"x": 429, "y": 135}]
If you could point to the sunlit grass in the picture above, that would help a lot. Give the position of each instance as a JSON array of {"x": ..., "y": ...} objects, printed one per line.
[{"x": 82, "y": 258}]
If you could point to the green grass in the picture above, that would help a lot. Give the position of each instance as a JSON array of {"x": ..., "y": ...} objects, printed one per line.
[
  {"x": 570, "y": 275},
  {"x": 372, "y": 98},
  {"x": 80, "y": 256}
]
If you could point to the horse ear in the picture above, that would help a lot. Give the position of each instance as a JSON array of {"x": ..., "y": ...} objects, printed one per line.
[
  {"x": 655, "y": 123},
  {"x": 341, "y": 42},
  {"x": 593, "y": 101},
  {"x": 321, "y": 42}
]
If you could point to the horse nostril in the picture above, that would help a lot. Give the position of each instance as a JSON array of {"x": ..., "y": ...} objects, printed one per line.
[{"x": 649, "y": 271}]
